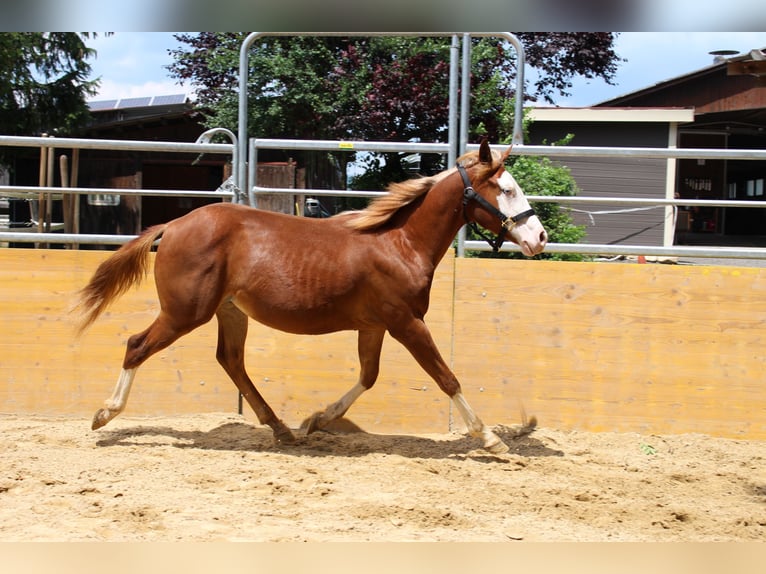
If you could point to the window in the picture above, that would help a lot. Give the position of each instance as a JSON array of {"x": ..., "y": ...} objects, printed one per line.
[
  {"x": 755, "y": 187},
  {"x": 103, "y": 199}
]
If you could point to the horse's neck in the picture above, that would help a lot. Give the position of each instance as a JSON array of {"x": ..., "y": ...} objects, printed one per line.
[{"x": 432, "y": 225}]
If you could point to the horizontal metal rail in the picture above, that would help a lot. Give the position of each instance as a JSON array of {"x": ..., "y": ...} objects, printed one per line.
[
  {"x": 29, "y": 235},
  {"x": 563, "y": 199},
  {"x": 119, "y": 145},
  {"x": 26, "y": 190},
  {"x": 317, "y": 192},
  {"x": 577, "y": 248},
  {"x": 605, "y": 249},
  {"x": 112, "y": 145},
  {"x": 638, "y": 152},
  {"x": 407, "y": 147},
  {"x": 350, "y": 146},
  {"x": 644, "y": 201},
  {"x": 535, "y": 150},
  {"x": 551, "y": 151},
  {"x": 64, "y": 238}
]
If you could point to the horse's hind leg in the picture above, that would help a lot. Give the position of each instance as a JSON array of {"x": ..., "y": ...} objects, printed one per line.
[
  {"x": 232, "y": 332},
  {"x": 140, "y": 347},
  {"x": 369, "y": 345}
]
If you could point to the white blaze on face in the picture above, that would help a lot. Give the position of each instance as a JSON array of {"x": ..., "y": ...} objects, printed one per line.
[{"x": 529, "y": 234}]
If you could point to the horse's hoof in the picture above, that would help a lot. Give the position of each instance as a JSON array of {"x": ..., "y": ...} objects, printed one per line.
[
  {"x": 100, "y": 419},
  {"x": 284, "y": 436},
  {"x": 496, "y": 447},
  {"x": 312, "y": 424}
]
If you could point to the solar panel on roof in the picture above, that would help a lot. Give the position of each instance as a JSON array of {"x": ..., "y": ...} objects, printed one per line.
[
  {"x": 102, "y": 105},
  {"x": 134, "y": 102},
  {"x": 169, "y": 99},
  {"x": 140, "y": 102}
]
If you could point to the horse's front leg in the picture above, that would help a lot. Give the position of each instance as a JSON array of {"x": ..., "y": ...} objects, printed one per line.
[
  {"x": 416, "y": 337},
  {"x": 369, "y": 345}
]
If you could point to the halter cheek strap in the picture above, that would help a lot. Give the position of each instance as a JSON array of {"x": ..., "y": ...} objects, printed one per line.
[{"x": 506, "y": 222}]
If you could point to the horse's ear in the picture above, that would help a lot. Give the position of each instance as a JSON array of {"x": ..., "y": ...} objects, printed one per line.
[{"x": 485, "y": 153}]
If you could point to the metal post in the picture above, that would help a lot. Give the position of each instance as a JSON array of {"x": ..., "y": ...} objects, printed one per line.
[
  {"x": 252, "y": 173},
  {"x": 465, "y": 113},
  {"x": 242, "y": 125},
  {"x": 205, "y": 137},
  {"x": 518, "y": 116},
  {"x": 453, "y": 135}
]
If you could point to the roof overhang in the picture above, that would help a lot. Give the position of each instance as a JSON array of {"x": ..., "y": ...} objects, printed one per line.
[{"x": 617, "y": 115}]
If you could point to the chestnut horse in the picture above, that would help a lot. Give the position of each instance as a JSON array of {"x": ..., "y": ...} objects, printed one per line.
[{"x": 368, "y": 271}]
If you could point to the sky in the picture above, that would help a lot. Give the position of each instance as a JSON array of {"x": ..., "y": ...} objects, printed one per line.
[{"x": 133, "y": 64}]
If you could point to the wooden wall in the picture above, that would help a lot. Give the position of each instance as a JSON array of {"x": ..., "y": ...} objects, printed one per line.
[
  {"x": 625, "y": 347},
  {"x": 592, "y": 346}
]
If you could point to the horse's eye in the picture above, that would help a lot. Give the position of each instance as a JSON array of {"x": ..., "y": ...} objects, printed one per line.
[{"x": 507, "y": 192}]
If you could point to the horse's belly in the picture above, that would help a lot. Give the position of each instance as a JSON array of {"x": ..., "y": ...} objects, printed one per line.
[{"x": 300, "y": 321}]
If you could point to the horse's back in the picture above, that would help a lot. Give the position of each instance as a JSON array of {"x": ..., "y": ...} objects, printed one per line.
[
  {"x": 231, "y": 219},
  {"x": 294, "y": 273}
]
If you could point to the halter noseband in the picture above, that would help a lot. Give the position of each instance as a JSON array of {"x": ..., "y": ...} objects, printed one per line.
[{"x": 506, "y": 222}]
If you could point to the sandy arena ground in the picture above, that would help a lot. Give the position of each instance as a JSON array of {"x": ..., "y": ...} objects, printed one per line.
[{"x": 218, "y": 477}]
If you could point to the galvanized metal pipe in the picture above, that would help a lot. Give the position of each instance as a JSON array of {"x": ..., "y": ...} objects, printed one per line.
[
  {"x": 535, "y": 150},
  {"x": 585, "y": 249},
  {"x": 575, "y": 200},
  {"x": 465, "y": 114},
  {"x": 316, "y": 192},
  {"x": 635, "y": 152},
  {"x": 452, "y": 129},
  {"x": 603, "y": 249},
  {"x": 73, "y": 238},
  {"x": 120, "y": 145},
  {"x": 205, "y": 138},
  {"x": 26, "y": 190},
  {"x": 350, "y": 146}
]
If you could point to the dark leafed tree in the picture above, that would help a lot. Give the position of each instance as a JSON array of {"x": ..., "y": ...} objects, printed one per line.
[
  {"x": 44, "y": 82},
  {"x": 390, "y": 89},
  {"x": 378, "y": 88}
]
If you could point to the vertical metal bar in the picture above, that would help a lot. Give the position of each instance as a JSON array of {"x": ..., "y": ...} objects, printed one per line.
[
  {"x": 454, "y": 67},
  {"x": 50, "y": 174},
  {"x": 242, "y": 123},
  {"x": 42, "y": 180},
  {"x": 465, "y": 94},
  {"x": 465, "y": 113},
  {"x": 73, "y": 177},
  {"x": 518, "y": 130},
  {"x": 252, "y": 174},
  {"x": 671, "y": 211}
]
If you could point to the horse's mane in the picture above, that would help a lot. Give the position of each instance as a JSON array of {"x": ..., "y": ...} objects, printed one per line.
[{"x": 400, "y": 194}]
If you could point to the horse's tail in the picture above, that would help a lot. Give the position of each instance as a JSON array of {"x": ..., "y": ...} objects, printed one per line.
[{"x": 114, "y": 276}]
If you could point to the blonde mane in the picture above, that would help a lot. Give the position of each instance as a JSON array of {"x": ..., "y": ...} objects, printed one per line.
[{"x": 404, "y": 193}]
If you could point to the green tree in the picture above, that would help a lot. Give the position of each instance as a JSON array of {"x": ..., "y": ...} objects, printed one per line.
[
  {"x": 390, "y": 89},
  {"x": 378, "y": 88},
  {"x": 44, "y": 82},
  {"x": 540, "y": 176}
]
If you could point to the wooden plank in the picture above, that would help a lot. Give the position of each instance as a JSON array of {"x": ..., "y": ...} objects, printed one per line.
[
  {"x": 614, "y": 347},
  {"x": 590, "y": 346},
  {"x": 47, "y": 370}
]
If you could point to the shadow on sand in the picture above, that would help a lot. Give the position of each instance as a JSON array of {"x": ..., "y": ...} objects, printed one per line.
[{"x": 346, "y": 439}]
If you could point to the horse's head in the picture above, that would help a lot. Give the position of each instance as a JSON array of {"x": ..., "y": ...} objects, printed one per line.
[{"x": 500, "y": 205}]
